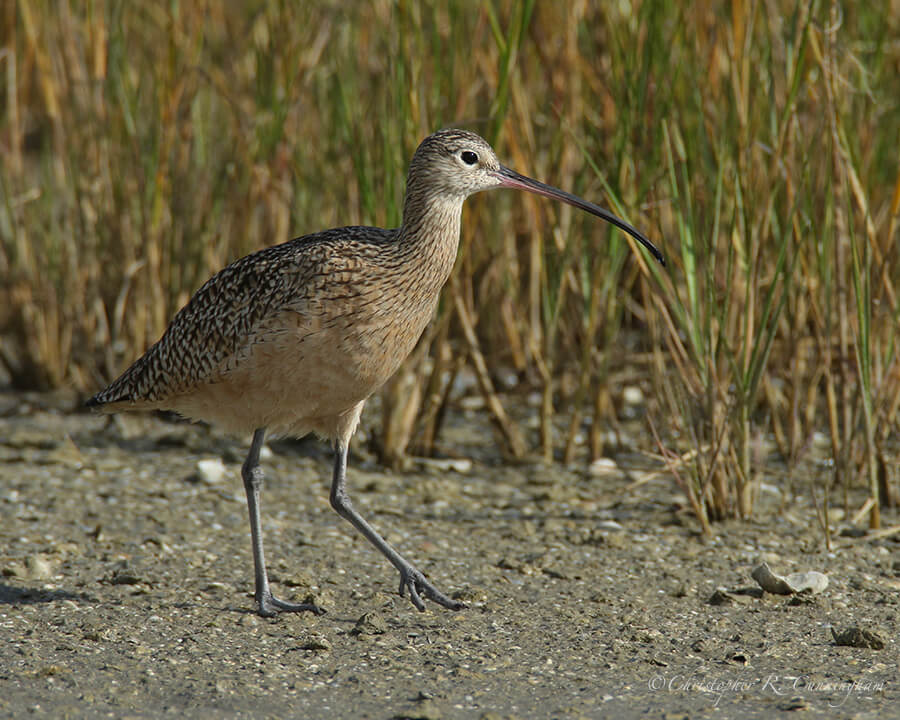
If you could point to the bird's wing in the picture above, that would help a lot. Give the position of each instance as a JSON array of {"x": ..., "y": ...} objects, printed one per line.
[{"x": 228, "y": 312}]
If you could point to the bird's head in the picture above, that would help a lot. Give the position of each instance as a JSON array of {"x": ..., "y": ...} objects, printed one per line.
[
  {"x": 455, "y": 163},
  {"x": 451, "y": 164}
]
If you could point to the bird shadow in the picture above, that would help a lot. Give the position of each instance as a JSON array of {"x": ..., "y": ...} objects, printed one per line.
[
  {"x": 330, "y": 616},
  {"x": 13, "y": 595},
  {"x": 176, "y": 434}
]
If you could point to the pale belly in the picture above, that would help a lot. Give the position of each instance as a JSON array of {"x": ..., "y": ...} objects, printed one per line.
[{"x": 296, "y": 377}]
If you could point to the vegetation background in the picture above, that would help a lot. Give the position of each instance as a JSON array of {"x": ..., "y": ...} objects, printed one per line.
[{"x": 147, "y": 144}]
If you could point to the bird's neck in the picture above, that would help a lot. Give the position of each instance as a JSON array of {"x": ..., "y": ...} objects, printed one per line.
[{"x": 430, "y": 231}]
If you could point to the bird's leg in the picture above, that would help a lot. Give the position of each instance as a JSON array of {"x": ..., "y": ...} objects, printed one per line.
[
  {"x": 251, "y": 472},
  {"x": 411, "y": 578}
]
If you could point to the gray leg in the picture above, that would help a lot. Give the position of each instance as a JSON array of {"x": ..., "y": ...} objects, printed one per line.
[
  {"x": 410, "y": 577},
  {"x": 252, "y": 474}
]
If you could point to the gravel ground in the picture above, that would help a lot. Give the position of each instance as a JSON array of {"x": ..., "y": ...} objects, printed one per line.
[{"x": 127, "y": 581}]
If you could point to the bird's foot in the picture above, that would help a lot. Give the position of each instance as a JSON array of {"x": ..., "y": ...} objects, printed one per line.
[
  {"x": 413, "y": 580},
  {"x": 269, "y": 606}
]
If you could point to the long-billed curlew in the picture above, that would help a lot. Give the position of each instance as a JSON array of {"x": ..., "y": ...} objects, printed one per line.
[{"x": 294, "y": 338}]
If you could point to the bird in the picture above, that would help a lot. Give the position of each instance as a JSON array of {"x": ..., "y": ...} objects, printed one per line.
[{"x": 294, "y": 338}]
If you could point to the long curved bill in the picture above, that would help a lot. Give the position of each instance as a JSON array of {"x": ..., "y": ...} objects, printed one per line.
[{"x": 512, "y": 179}]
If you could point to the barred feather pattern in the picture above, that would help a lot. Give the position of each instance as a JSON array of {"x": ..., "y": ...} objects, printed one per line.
[{"x": 297, "y": 336}]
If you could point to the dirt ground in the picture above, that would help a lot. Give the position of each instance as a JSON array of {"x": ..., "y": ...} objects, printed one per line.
[{"x": 127, "y": 580}]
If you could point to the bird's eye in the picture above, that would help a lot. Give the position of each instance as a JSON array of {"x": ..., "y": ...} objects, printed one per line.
[{"x": 468, "y": 157}]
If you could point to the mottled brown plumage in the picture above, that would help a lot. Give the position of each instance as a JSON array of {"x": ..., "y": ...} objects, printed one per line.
[{"x": 294, "y": 338}]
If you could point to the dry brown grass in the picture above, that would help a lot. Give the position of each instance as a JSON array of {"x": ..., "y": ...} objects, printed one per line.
[{"x": 757, "y": 143}]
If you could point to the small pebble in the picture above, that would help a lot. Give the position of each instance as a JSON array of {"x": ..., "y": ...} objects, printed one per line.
[
  {"x": 372, "y": 623},
  {"x": 38, "y": 568},
  {"x": 858, "y": 638},
  {"x": 813, "y": 582},
  {"x": 211, "y": 471},
  {"x": 316, "y": 642},
  {"x": 603, "y": 467},
  {"x": 721, "y": 597}
]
